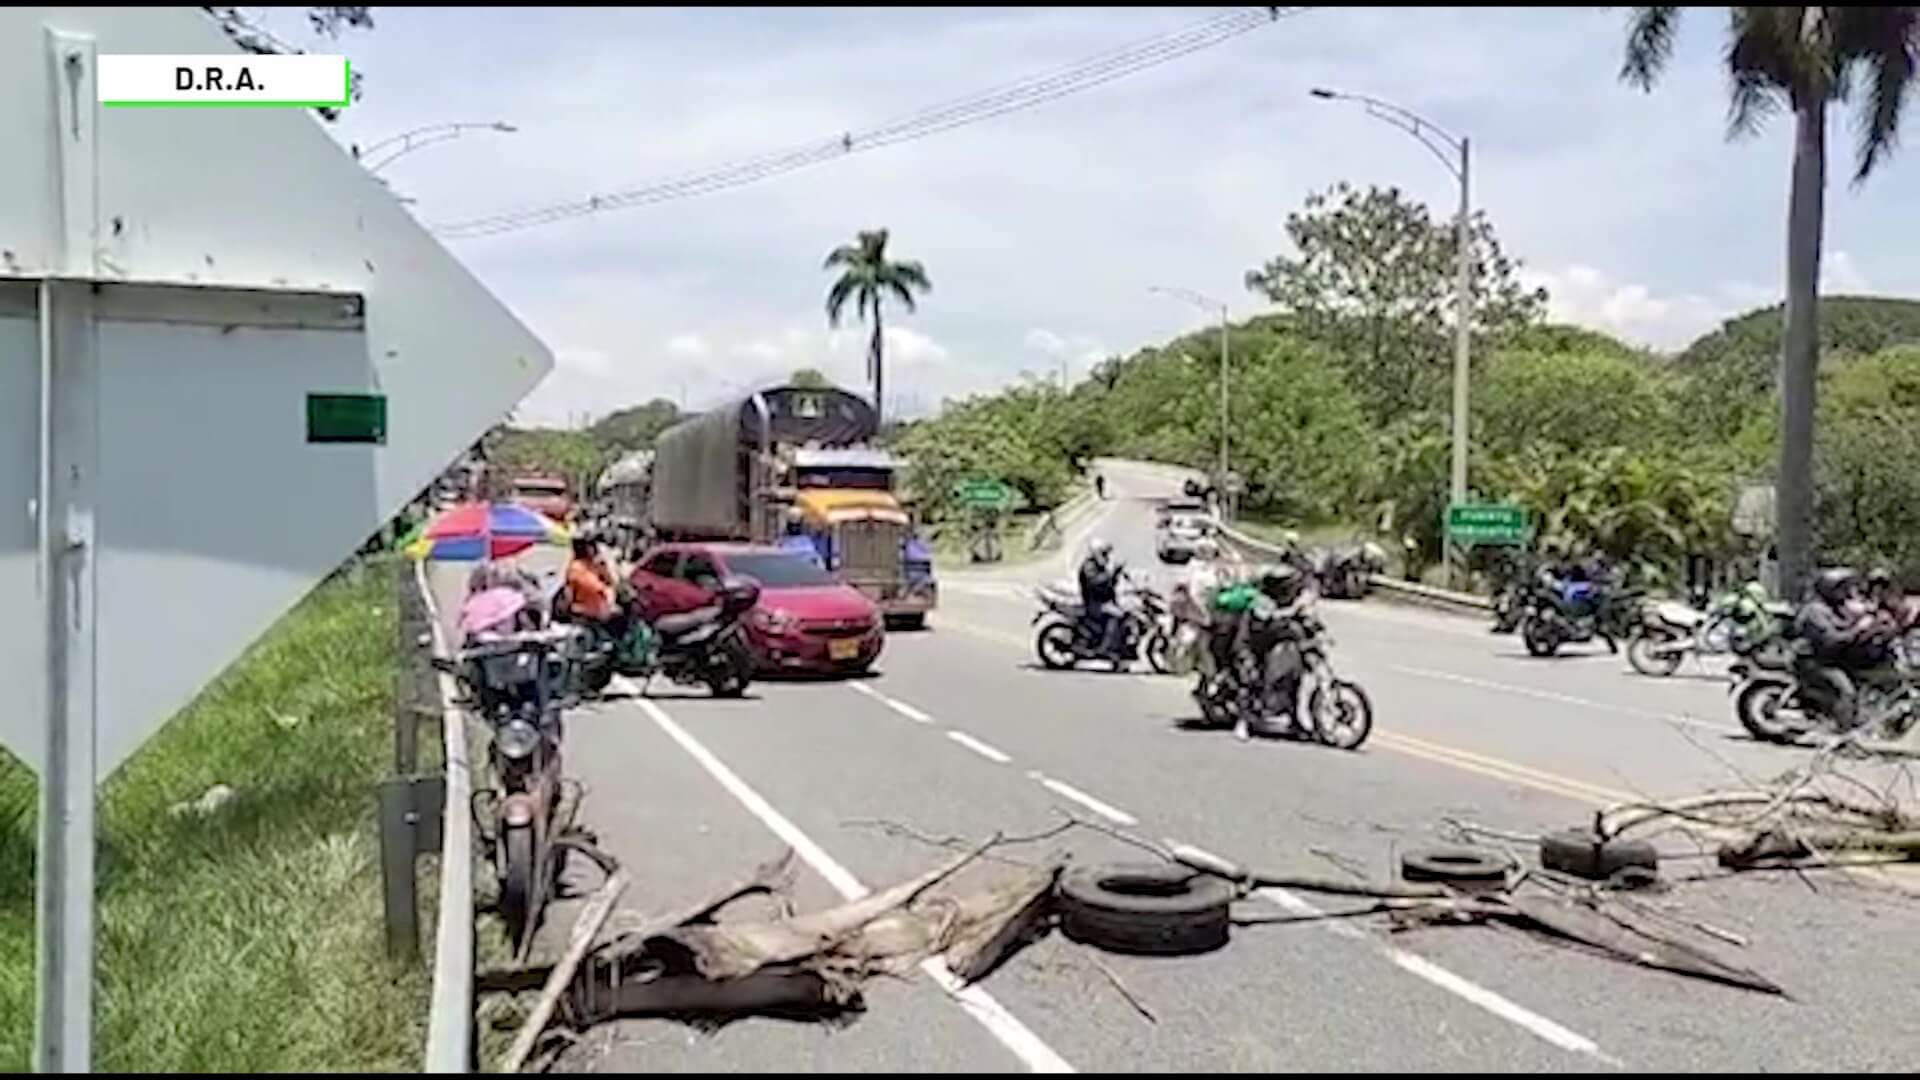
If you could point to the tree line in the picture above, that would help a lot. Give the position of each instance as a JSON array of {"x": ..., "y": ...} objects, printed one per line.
[{"x": 1340, "y": 410}]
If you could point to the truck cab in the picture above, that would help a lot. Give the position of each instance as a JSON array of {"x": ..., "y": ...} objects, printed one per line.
[{"x": 843, "y": 501}]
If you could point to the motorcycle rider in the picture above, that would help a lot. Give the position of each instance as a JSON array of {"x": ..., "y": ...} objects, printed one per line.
[
  {"x": 1837, "y": 647},
  {"x": 590, "y": 595},
  {"x": 1269, "y": 633},
  {"x": 1100, "y": 576}
]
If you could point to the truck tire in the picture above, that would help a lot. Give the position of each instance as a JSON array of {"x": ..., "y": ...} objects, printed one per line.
[
  {"x": 1584, "y": 855},
  {"x": 1157, "y": 909}
]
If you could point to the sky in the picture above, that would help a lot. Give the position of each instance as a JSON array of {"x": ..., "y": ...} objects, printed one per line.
[{"x": 1043, "y": 230}]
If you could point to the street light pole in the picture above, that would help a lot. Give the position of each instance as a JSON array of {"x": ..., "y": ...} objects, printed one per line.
[
  {"x": 427, "y": 136},
  {"x": 1457, "y": 163},
  {"x": 1462, "y": 335},
  {"x": 1207, "y": 303}
]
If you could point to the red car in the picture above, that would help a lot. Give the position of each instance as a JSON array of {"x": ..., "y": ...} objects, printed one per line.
[{"x": 805, "y": 620}]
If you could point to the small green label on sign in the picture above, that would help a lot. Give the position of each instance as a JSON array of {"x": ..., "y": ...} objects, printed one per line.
[
  {"x": 1487, "y": 524},
  {"x": 347, "y": 418}
]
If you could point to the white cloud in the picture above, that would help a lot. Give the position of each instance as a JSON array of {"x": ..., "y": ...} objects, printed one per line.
[
  {"x": 687, "y": 345},
  {"x": 1839, "y": 275},
  {"x": 1590, "y": 297},
  {"x": 1045, "y": 341}
]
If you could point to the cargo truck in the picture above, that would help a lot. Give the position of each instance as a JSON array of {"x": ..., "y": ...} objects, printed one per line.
[{"x": 795, "y": 466}]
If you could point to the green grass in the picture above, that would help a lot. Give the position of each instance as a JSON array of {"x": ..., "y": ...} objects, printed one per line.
[{"x": 249, "y": 940}]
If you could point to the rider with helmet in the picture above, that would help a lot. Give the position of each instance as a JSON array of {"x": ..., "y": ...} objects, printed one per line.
[
  {"x": 1100, "y": 576},
  {"x": 1836, "y": 644},
  {"x": 1268, "y": 634}
]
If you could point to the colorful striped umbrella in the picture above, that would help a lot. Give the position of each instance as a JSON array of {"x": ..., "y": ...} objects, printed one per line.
[{"x": 473, "y": 531}]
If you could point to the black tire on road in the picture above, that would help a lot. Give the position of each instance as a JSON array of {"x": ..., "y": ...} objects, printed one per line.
[
  {"x": 1054, "y": 644},
  {"x": 1540, "y": 637},
  {"x": 517, "y": 883},
  {"x": 1757, "y": 705},
  {"x": 1345, "y": 721},
  {"x": 1150, "y": 908},
  {"x": 734, "y": 673},
  {"x": 1640, "y": 653},
  {"x": 1454, "y": 866},
  {"x": 1156, "y": 650},
  {"x": 1584, "y": 855}
]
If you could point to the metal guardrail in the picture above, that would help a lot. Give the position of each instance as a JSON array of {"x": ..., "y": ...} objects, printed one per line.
[{"x": 449, "y": 1046}]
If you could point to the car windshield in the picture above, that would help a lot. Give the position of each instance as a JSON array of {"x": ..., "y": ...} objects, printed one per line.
[{"x": 775, "y": 571}]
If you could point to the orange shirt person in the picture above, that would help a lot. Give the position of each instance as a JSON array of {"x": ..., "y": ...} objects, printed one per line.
[{"x": 589, "y": 593}]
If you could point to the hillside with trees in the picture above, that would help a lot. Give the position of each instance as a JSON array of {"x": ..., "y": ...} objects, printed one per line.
[{"x": 1340, "y": 410}]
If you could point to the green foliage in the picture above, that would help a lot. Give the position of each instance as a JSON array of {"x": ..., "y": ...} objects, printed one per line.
[
  {"x": 1374, "y": 276},
  {"x": 1577, "y": 400},
  {"x": 1007, "y": 436},
  {"x": 328, "y": 22},
  {"x": 1869, "y": 443},
  {"x": 1645, "y": 508},
  {"x": 634, "y": 428}
]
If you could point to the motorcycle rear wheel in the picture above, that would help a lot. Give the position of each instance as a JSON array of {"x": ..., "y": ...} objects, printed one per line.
[
  {"x": 1343, "y": 717},
  {"x": 1641, "y": 654},
  {"x": 732, "y": 671}
]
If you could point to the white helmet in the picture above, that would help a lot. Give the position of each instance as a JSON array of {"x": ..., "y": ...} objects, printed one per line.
[{"x": 1100, "y": 548}]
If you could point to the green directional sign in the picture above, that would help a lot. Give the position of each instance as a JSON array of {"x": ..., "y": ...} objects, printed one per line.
[
  {"x": 986, "y": 494},
  {"x": 1488, "y": 523}
]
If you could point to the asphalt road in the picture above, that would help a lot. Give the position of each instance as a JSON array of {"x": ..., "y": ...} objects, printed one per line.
[{"x": 961, "y": 735}]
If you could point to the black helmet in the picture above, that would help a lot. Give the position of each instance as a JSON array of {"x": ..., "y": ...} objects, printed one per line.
[
  {"x": 1834, "y": 583},
  {"x": 1281, "y": 583}
]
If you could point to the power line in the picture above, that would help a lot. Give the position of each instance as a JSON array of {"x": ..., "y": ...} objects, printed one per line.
[{"x": 985, "y": 105}]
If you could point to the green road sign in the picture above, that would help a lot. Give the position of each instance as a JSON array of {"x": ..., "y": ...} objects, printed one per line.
[
  {"x": 986, "y": 494},
  {"x": 1487, "y": 524}
]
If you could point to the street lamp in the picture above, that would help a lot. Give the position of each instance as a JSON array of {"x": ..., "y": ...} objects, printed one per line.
[
  {"x": 1208, "y": 303},
  {"x": 1457, "y": 163},
  {"x": 423, "y": 136}
]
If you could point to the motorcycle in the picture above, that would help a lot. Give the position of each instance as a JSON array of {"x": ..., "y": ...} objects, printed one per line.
[
  {"x": 1067, "y": 635},
  {"x": 1578, "y": 612},
  {"x": 1741, "y": 622},
  {"x": 510, "y": 681},
  {"x": 704, "y": 646},
  {"x": 1231, "y": 689},
  {"x": 1347, "y": 573}
]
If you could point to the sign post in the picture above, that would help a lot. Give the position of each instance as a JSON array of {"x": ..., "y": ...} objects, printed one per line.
[
  {"x": 196, "y": 414},
  {"x": 986, "y": 495}
]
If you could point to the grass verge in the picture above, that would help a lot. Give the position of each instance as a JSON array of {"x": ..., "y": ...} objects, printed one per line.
[{"x": 248, "y": 939}]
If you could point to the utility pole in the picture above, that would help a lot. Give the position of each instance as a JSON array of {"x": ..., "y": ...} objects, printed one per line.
[{"x": 1438, "y": 142}]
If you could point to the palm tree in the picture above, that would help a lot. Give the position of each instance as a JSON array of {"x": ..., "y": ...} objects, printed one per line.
[
  {"x": 1804, "y": 58},
  {"x": 866, "y": 278}
]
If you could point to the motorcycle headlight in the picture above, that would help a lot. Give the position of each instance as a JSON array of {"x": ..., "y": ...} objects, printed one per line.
[{"x": 517, "y": 739}]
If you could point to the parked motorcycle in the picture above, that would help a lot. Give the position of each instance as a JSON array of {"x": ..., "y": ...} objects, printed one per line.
[
  {"x": 1067, "y": 635},
  {"x": 1327, "y": 708},
  {"x": 1740, "y": 622},
  {"x": 1347, "y": 573},
  {"x": 705, "y": 646},
  {"x": 1576, "y": 612},
  {"x": 511, "y": 681}
]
